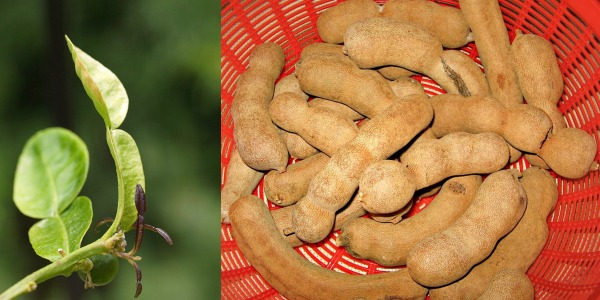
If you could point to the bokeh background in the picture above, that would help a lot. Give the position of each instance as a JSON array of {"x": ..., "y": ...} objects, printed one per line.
[{"x": 166, "y": 54}]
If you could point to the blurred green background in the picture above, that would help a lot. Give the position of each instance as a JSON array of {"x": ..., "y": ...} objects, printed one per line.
[{"x": 166, "y": 54}]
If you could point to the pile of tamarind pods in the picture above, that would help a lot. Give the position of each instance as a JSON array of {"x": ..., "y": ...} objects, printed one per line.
[{"x": 371, "y": 141}]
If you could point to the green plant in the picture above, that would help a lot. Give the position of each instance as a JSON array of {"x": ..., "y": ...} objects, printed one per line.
[{"x": 51, "y": 171}]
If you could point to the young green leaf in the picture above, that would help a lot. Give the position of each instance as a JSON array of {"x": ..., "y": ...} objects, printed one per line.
[
  {"x": 50, "y": 172},
  {"x": 102, "y": 86},
  {"x": 130, "y": 172},
  {"x": 62, "y": 232}
]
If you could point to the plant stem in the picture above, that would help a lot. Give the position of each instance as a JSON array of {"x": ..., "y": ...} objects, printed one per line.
[{"x": 63, "y": 266}]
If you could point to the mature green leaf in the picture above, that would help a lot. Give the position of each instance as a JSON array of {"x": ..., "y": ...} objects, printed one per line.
[
  {"x": 62, "y": 232},
  {"x": 130, "y": 172},
  {"x": 102, "y": 86},
  {"x": 50, "y": 172}
]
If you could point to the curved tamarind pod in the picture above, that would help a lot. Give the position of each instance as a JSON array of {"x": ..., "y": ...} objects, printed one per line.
[
  {"x": 336, "y": 77},
  {"x": 445, "y": 22},
  {"x": 333, "y": 187},
  {"x": 539, "y": 76},
  {"x": 523, "y": 126},
  {"x": 322, "y": 128},
  {"x": 240, "y": 180},
  {"x": 378, "y": 42},
  {"x": 519, "y": 249},
  {"x": 389, "y": 244},
  {"x": 270, "y": 254},
  {"x": 448, "y": 255},
  {"x": 255, "y": 136}
]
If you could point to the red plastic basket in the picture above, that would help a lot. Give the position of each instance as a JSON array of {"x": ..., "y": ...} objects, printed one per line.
[{"x": 569, "y": 265}]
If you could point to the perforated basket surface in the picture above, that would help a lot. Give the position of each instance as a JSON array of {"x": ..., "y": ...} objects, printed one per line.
[{"x": 569, "y": 265}]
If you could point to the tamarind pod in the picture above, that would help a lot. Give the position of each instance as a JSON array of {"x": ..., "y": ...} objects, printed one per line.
[
  {"x": 444, "y": 22},
  {"x": 342, "y": 109},
  {"x": 293, "y": 276},
  {"x": 386, "y": 186},
  {"x": 569, "y": 152},
  {"x": 509, "y": 284},
  {"x": 517, "y": 250},
  {"x": 333, "y": 22},
  {"x": 337, "y": 78},
  {"x": 484, "y": 17},
  {"x": 322, "y": 128},
  {"x": 523, "y": 126},
  {"x": 333, "y": 187},
  {"x": 405, "y": 86},
  {"x": 393, "y": 72},
  {"x": 289, "y": 84},
  {"x": 297, "y": 147},
  {"x": 538, "y": 74},
  {"x": 240, "y": 180},
  {"x": 259, "y": 144},
  {"x": 283, "y": 220},
  {"x": 446, "y": 256},
  {"x": 287, "y": 188},
  {"x": 389, "y": 244},
  {"x": 471, "y": 78},
  {"x": 379, "y": 42}
]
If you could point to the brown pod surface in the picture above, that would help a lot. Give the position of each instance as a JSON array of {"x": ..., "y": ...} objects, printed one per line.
[
  {"x": 405, "y": 86},
  {"x": 342, "y": 109},
  {"x": 540, "y": 79},
  {"x": 523, "y": 126},
  {"x": 259, "y": 144},
  {"x": 322, "y": 128},
  {"x": 339, "y": 79},
  {"x": 378, "y": 42},
  {"x": 448, "y": 255},
  {"x": 458, "y": 153},
  {"x": 333, "y": 22},
  {"x": 272, "y": 256},
  {"x": 393, "y": 73},
  {"x": 509, "y": 284},
  {"x": 472, "y": 81},
  {"x": 387, "y": 186},
  {"x": 240, "y": 180},
  {"x": 288, "y": 187},
  {"x": 519, "y": 249},
  {"x": 297, "y": 147},
  {"x": 283, "y": 220},
  {"x": 333, "y": 187},
  {"x": 389, "y": 244},
  {"x": 445, "y": 22},
  {"x": 289, "y": 84},
  {"x": 321, "y": 49},
  {"x": 569, "y": 152},
  {"x": 484, "y": 17}
]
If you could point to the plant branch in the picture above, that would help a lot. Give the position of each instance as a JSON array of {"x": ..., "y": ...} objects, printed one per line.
[{"x": 63, "y": 266}]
